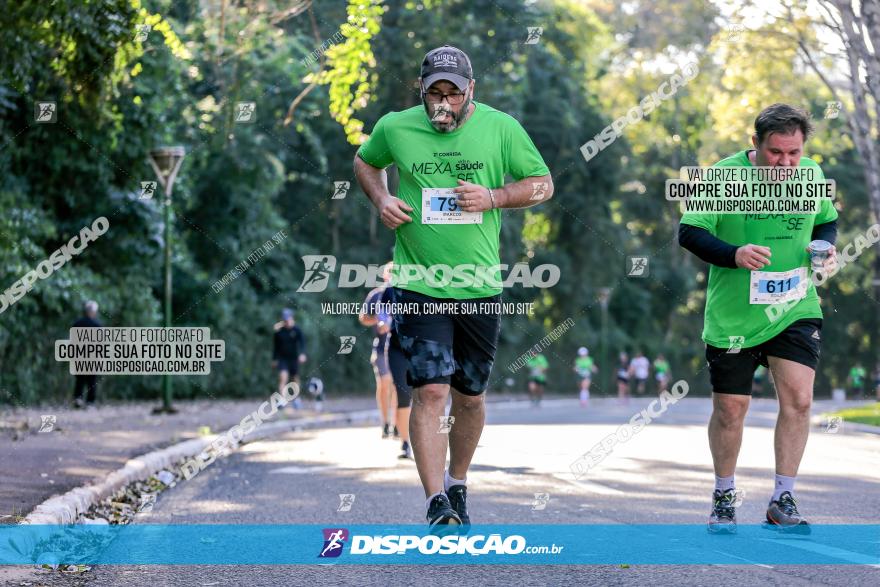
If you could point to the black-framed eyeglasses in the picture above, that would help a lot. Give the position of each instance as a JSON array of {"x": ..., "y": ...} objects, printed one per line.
[{"x": 435, "y": 97}]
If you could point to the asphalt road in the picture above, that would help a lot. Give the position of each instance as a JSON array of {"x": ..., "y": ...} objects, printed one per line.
[{"x": 661, "y": 476}]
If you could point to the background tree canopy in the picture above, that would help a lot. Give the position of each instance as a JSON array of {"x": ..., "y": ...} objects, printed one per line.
[{"x": 320, "y": 75}]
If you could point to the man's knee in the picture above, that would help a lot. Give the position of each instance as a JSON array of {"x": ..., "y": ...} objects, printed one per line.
[
  {"x": 730, "y": 410},
  {"x": 468, "y": 402},
  {"x": 432, "y": 393},
  {"x": 795, "y": 402}
]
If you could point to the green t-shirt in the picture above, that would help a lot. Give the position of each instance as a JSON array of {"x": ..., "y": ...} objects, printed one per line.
[
  {"x": 489, "y": 146},
  {"x": 857, "y": 375},
  {"x": 661, "y": 366},
  {"x": 728, "y": 311},
  {"x": 584, "y": 366},
  {"x": 537, "y": 367}
]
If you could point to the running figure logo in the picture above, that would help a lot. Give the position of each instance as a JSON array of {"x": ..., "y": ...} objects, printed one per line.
[
  {"x": 446, "y": 423},
  {"x": 833, "y": 425},
  {"x": 334, "y": 540},
  {"x": 832, "y": 109},
  {"x": 47, "y": 423},
  {"x": 535, "y": 33},
  {"x": 45, "y": 112},
  {"x": 736, "y": 344},
  {"x": 734, "y": 31},
  {"x": 346, "y": 500},
  {"x": 346, "y": 345},
  {"x": 441, "y": 110},
  {"x": 637, "y": 266},
  {"x": 541, "y": 500},
  {"x": 340, "y": 189},
  {"x": 142, "y": 31},
  {"x": 318, "y": 269},
  {"x": 539, "y": 190},
  {"x": 147, "y": 503},
  {"x": 148, "y": 188},
  {"x": 245, "y": 112}
]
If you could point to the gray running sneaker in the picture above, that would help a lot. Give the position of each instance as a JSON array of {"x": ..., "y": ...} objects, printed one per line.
[{"x": 783, "y": 514}]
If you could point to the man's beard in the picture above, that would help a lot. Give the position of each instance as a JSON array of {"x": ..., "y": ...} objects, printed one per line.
[{"x": 457, "y": 118}]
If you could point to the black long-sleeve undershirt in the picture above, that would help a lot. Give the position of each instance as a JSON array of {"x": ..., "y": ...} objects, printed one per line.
[{"x": 715, "y": 251}]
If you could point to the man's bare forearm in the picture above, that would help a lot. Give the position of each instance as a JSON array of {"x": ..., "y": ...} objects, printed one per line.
[
  {"x": 373, "y": 181},
  {"x": 525, "y": 192}
]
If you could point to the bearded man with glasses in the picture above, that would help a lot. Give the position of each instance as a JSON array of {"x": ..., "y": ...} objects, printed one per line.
[{"x": 453, "y": 165}]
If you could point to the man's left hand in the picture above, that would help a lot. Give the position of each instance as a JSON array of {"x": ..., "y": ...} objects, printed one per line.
[
  {"x": 830, "y": 264},
  {"x": 473, "y": 197}
]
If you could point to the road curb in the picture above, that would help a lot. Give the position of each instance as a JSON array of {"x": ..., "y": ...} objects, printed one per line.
[{"x": 66, "y": 508}]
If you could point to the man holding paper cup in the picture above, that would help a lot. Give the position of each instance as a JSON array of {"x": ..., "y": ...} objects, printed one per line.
[
  {"x": 762, "y": 262},
  {"x": 453, "y": 155}
]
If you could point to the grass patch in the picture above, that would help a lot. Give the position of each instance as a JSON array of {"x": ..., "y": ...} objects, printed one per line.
[{"x": 869, "y": 414}]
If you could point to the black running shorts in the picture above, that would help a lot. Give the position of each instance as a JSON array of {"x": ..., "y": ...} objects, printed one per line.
[
  {"x": 398, "y": 365},
  {"x": 732, "y": 372},
  {"x": 455, "y": 347}
]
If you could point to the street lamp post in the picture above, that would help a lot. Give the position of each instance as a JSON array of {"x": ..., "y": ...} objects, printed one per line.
[
  {"x": 166, "y": 163},
  {"x": 604, "y": 296}
]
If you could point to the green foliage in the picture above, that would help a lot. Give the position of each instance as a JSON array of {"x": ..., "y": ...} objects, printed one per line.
[
  {"x": 349, "y": 65},
  {"x": 119, "y": 96}
]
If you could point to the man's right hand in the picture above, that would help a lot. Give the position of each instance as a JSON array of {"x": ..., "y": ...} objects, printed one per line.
[
  {"x": 752, "y": 257},
  {"x": 393, "y": 212}
]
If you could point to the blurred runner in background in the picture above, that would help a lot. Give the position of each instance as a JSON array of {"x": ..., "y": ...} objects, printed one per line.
[
  {"x": 661, "y": 373},
  {"x": 89, "y": 319},
  {"x": 289, "y": 350},
  {"x": 537, "y": 377},
  {"x": 584, "y": 366}
]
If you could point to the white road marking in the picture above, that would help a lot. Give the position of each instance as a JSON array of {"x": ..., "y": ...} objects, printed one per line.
[
  {"x": 833, "y": 551},
  {"x": 294, "y": 470}
]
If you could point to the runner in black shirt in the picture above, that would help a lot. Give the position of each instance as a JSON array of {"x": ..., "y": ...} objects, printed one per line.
[
  {"x": 83, "y": 382},
  {"x": 289, "y": 351}
]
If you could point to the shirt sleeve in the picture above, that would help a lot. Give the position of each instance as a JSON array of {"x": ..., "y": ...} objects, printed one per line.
[
  {"x": 707, "y": 246},
  {"x": 705, "y": 220},
  {"x": 827, "y": 231},
  {"x": 827, "y": 211},
  {"x": 376, "y": 151},
  {"x": 708, "y": 222},
  {"x": 523, "y": 159}
]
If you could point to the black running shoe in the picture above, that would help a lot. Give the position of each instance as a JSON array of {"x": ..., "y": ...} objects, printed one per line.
[
  {"x": 783, "y": 514},
  {"x": 405, "y": 451},
  {"x": 386, "y": 430},
  {"x": 395, "y": 433},
  {"x": 722, "y": 520},
  {"x": 440, "y": 513},
  {"x": 458, "y": 499}
]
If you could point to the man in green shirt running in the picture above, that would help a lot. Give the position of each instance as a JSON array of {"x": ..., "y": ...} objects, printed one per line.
[
  {"x": 857, "y": 381},
  {"x": 584, "y": 367},
  {"x": 661, "y": 372},
  {"x": 740, "y": 330},
  {"x": 538, "y": 366},
  {"x": 453, "y": 155}
]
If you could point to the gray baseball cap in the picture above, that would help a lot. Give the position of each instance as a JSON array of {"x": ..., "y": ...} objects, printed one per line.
[
  {"x": 447, "y": 63},
  {"x": 286, "y": 314}
]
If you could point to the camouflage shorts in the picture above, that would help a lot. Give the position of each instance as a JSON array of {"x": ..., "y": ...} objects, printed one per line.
[{"x": 457, "y": 348}]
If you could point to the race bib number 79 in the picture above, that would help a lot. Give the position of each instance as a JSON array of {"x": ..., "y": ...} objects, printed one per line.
[
  {"x": 440, "y": 206},
  {"x": 774, "y": 287}
]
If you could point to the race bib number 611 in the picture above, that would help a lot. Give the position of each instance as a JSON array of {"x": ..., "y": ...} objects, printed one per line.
[{"x": 773, "y": 287}]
